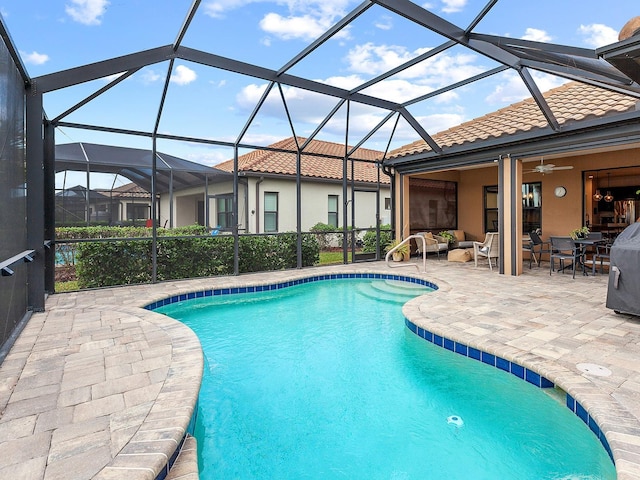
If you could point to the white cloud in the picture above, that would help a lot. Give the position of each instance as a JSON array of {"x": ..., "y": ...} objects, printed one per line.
[
  {"x": 453, "y": 6},
  {"x": 87, "y": 12},
  {"x": 436, "y": 72},
  {"x": 514, "y": 90},
  {"x": 384, "y": 23},
  {"x": 113, "y": 77},
  {"x": 150, "y": 76},
  {"x": 306, "y": 19},
  {"x": 309, "y": 109},
  {"x": 397, "y": 90},
  {"x": 536, "y": 35},
  {"x": 597, "y": 35},
  {"x": 210, "y": 158},
  {"x": 345, "y": 82},
  {"x": 375, "y": 59},
  {"x": 34, "y": 58},
  {"x": 183, "y": 75},
  {"x": 217, "y": 8},
  {"x": 287, "y": 28}
]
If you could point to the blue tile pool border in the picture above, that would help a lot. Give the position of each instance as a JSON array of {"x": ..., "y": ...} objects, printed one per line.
[
  {"x": 290, "y": 283},
  {"x": 487, "y": 358},
  {"x": 513, "y": 368},
  {"x": 263, "y": 288}
]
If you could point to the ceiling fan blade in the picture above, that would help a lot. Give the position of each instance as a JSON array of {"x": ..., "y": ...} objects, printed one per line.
[{"x": 568, "y": 167}]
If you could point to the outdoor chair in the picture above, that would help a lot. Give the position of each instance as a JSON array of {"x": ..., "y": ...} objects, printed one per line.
[
  {"x": 537, "y": 245},
  {"x": 488, "y": 249},
  {"x": 563, "y": 249},
  {"x": 434, "y": 244},
  {"x": 603, "y": 253}
]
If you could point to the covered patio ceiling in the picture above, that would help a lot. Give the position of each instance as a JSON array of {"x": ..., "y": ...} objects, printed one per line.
[{"x": 524, "y": 57}]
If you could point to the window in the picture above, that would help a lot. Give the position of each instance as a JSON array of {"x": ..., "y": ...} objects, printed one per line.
[
  {"x": 224, "y": 211},
  {"x": 387, "y": 203},
  {"x": 531, "y": 207},
  {"x": 433, "y": 205},
  {"x": 333, "y": 211},
  {"x": 137, "y": 211},
  {"x": 491, "y": 208},
  {"x": 270, "y": 211}
]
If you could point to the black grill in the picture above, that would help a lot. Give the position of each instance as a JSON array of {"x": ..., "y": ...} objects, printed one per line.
[{"x": 623, "y": 292}]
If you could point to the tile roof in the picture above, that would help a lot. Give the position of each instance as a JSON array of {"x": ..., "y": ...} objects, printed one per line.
[
  {"x": 284, "y": 163},
  {"x": 126, "y": 190},
  {"x": 571, "y": 102}
]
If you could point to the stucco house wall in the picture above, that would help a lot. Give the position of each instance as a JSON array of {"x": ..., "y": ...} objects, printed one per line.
[{"x": 314, "y": 198}]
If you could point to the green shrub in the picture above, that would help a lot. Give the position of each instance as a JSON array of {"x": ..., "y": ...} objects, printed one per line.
[
  {"x": 123, "y": 262},
  {"x": 326, "y": 235},
  {"x": 369, "y": 239}
]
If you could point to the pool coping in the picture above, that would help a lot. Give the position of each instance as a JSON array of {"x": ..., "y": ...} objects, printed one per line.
[{"x": 619, "y": 425}]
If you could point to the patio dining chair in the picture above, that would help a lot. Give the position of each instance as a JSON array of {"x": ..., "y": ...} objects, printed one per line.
[
  {"x": 537, "y": 246},
  {"x": 488, "y": 249},
  {"x": 563, "y": 249},
  {"x": 603, "y": 254}
]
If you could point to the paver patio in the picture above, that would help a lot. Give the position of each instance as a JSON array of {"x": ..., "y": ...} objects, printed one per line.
[{"x": 98, "y": 387}]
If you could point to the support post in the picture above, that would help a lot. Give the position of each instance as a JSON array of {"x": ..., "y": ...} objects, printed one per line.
[{"x": 35, "y": 198}]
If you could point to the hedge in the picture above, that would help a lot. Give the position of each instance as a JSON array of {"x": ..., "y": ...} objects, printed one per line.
[{"x": 123, "y": 262}]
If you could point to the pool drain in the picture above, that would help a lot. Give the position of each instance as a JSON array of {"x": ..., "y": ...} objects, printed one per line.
[
  {"x": 455, "y": 420},
  {"x": 593, "y": 369}
]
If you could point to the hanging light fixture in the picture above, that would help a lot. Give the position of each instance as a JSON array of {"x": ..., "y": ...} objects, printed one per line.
[
  {"x": 597, "y": 196},
  {"x": 608, "y": 197}
]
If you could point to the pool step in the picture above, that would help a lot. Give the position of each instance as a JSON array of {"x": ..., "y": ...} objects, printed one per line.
[
  {"x": 392, "y": 291},
  {"x": 400, "y": 287},
  {"x": 186, "y": 465}
]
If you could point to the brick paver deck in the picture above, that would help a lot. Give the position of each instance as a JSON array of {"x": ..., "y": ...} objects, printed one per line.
[{"x": 98, "y": 387}]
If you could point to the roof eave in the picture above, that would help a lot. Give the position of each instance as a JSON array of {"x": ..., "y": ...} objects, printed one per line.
[{"x": 624, "y": 128}]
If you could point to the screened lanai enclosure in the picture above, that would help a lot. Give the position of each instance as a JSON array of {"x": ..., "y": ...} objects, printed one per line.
[{"x": 128, "y": 98}]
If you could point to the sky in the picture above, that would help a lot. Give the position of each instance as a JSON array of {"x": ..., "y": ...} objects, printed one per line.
[{"x": 54, "y": 35}]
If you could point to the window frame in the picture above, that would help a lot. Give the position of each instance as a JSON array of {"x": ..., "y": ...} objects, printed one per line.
[
  {"x": 530, "y": 205},
  {"x": 271, "y": 214},
  {"x": 226, "y": 215},
  {"x": 337, "y": 211}
]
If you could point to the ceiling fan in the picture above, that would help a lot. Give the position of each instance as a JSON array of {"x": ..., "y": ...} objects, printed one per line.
[{"x": 547, "y": 168}]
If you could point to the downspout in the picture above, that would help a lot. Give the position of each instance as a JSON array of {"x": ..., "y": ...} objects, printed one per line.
[
  {"x": 206, "y": 201},
  {"x": 246, "y": 206},
  {"x": 392, "y": 180},
  {"x": 258, "y": 182}
]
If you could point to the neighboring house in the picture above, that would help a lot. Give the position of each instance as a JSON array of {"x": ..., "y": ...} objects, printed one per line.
[
  {"x": 128, "y": 204},
  {"x": 72, "y": 205},
  {"x": 267, "y": 192},
  {"x": 534, "y": 195}
]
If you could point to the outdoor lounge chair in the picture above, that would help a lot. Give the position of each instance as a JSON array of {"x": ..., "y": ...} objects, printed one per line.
[
  {"x": 488, "y": 249},
  {"x": 435, "y": 243}
]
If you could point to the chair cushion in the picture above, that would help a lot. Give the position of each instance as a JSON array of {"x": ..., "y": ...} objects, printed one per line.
[{"x": 459, "y": 255}]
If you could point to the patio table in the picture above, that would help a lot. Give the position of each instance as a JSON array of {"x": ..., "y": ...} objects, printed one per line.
[{"x": 582, "y": 244}]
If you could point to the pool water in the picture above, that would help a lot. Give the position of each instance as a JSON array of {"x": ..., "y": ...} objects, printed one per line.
[{"x": 323, "y": 381}]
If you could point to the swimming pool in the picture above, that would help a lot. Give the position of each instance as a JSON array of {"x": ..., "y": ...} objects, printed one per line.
[{"x": 321, "y": 380}]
